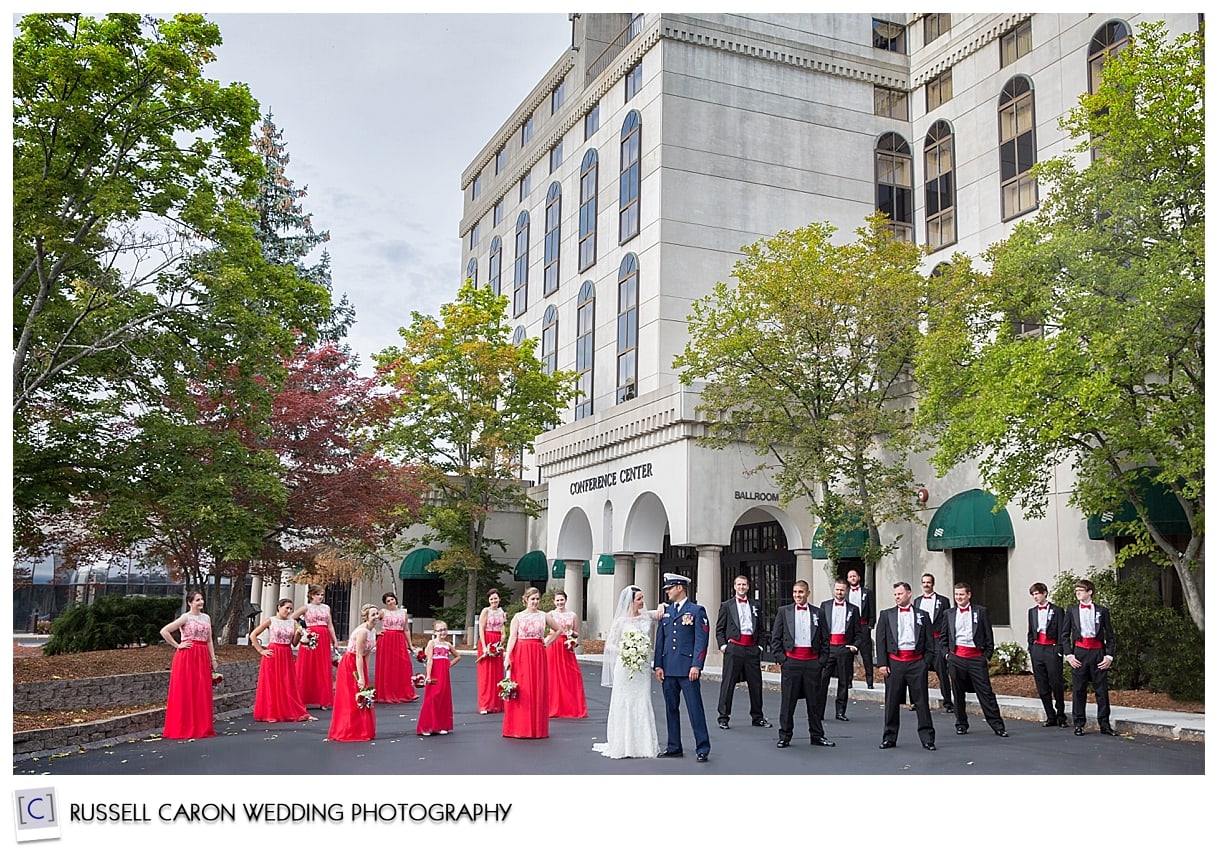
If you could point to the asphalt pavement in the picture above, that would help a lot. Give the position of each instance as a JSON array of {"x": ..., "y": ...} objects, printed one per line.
[{"x": 1149, "y": 743}]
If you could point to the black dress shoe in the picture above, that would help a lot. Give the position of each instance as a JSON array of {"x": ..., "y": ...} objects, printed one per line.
[
  {"x": 960, "y": 729},
  {"x": 1107, "y": 729},
  {"x": 723, "y": 724},
  {"x": 887, "y": 744},
  {"x": 703, "y": 758},
  {"x": 1062, "y": 721},
  {"x": 668, "y": 754},
  {"x": 1002, "y": 733},
  {"x": 841, "y": 717},
  {"x": 1049, "y": 723},
  {"x": 821, "y": 741},
  {"x": 762, "y": 723},
  {"x": 949, "y": 708},
  {"x": 782, "y": 744},
  {"x": 930, "y": 747},
  {"x": 870, "y": 685},
  {"x": 1078, "y": 732}
]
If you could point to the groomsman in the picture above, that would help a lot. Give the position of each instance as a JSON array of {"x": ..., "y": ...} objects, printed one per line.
[
  {"x": 902, "y": 634},
  {"x": 864, "y": 600},
  {"x": 798, "y": 642},
  {"x": 842, "y": 617},
  {"x": 1089, "y": 638},
  {"x": 970, "y": 645},
  {"x": 1045, "y": 651},
  {"x": 740, "y": 634},
  {"x": 935, "y": 606},
  {"x": 681, "y": 641}
]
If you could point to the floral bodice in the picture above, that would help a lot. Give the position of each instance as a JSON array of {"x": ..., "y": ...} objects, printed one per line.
[
  {"x": 394, "y": 620},
  {"x": 281, "y": 631},
  {"x": 317, "y": 615},
  {"x": 196, "y": 629},
  {"x": 566, "y": 618},
  {"x": 439, "y": 651},
  {"x": 369, "y": 642},
  {"x": 495, "y": 617},
  {"x": 532, "y": 626}
]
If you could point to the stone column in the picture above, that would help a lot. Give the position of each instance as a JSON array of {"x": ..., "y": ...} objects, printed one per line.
[
  {"x": 646, "y": 577},
  {"x": 805, "y": 571},
  {"x": 574, "y": 587},
  {"x": 710, "y": 594},
  {"x": 623, "y": 576}
]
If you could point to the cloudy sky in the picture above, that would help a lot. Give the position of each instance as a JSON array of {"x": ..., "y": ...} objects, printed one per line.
[{"x": 380, "y": 115}]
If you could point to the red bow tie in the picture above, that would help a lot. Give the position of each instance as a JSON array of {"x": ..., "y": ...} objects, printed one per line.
[
  {"x": 743, "y": 600},
  {"x": 929, "y": 597},
  {"x": 905, "y": 609},
  {"x": 1085, "y": 606},
  {"x": 964, "y": 610},
  {"x": 1042, "y": 607},
  {"x": 801, "y": 607},
  {"x": 839, "y": 604}
]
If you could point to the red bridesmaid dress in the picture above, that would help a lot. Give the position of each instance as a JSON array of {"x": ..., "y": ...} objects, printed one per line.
[
  {"x": 436, "y": 714},
  {"x": 393, "y": 669},
  {"x": 188, "y": 707},
  {"x": 278, "y": 697},
  {"x": 314, "y": 667},
  {"x": 528, "y": 715},
  {"x": 566, "y": 683},
  {"x": 490, "y": 669},
  {"x": 351, "y": 723}
]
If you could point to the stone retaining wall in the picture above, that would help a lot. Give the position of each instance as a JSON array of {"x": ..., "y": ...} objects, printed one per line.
[{"x": 118, "y": 690}]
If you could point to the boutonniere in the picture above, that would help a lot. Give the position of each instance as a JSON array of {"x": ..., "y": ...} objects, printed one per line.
[
  {"x": 815, "y": 620},
  {"x": 918, "y": 616},
  {"x": 687, "y": 619}
]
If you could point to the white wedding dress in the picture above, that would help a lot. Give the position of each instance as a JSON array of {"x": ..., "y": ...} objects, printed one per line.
[{"x": 631, "y": 730}]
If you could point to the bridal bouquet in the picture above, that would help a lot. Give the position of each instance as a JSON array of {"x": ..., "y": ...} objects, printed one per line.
[
  {"x": 570, "y": 641},
  {"x": 507, "y": 689},
  {"x": 364, "y": 696},
  {"x": 308, "y": 640},
  {"x": 636, "y": 649}
]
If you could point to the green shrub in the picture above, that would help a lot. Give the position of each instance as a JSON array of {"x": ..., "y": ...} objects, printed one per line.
[
  {"x": 111, "y": 622},
  {"x": 1009, "y": 659}
]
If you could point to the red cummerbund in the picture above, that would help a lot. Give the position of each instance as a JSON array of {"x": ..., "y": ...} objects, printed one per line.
[
  {"x": 802, "y": 653},
  {"x": 745, "y": 640},
  {"x": 1042, "y": 640},
  {"x": 1089, "y": 643},
  {"x": 863, "y": 622},
  {"x": 968, "y": 651},
  {"x": 837, "y": 639},
  {"x": 905, "y": 655}
]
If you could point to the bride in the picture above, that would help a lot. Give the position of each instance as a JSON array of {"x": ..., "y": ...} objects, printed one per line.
[{"x": 632, "y": 723}]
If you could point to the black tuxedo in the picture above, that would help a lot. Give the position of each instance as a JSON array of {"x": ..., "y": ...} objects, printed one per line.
[
  {"x": 938, "y": 647},
  {"x": 740, "y": 663},
  {"x": 972, "y": 673},
  {"x": 1089, "y": 672},
  {"x": 800, "y": 678},
  {"x": 1047, "y": 660},
  {"x": 904, "y": 675},
  {"x": 866, "y": 646},
  {"x": 841, "y": 658}
]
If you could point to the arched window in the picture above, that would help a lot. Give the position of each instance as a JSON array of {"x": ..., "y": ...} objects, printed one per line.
[
  {"x": 549, "y": 340},
  {"x": 520, "y": 279},
  {"x": 894, "y": 184},
  {"x": 471, "y": 271},
  {"x": 585, "y": 321},
  {"x": 494, "y": 266},
  {"x": 628, "y": 328},
  {"x": 1017, "y": 147},
  {"x": 628, "y": 181},
  {"x": 550, "y": 258},
  {"x": 587, "y": 210},
  {"x": 518, "y": 334},
  {"x": 940, "y": 168},
  {"x": 1108, "y": 39}
]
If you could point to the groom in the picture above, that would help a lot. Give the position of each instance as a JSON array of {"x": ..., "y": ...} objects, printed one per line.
[{"x": 680, "y": 652}]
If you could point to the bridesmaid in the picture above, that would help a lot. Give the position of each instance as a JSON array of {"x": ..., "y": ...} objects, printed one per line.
[
  {"x": 490, "y": 669},
  {"x": 350, "y": 722},
  {"x": 393, "y": 669},
  {"x": 188, "y": 708},
  {"x": 524, "y": 660},
  {"x": 566, "y": 682},
  {"x": 314, "y": 667},
  {"x": 278, "y": 698},
  {"x": 436, "y": 715}
]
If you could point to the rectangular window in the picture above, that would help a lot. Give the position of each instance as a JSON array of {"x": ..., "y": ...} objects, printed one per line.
[
  {"x": 890, "y": 103},
  {"x": 938, "y": 90},
  {"x": 474, "y": 233},
  {"x": 500, "y": 160},
  {"x": 583, "y": 358},
  {"x": 526, "y": 131},
  {"x": 634, "y": 80},
  {"x": 475, "y": 188},
  {"x": 636, "y": 26},
  {"x": 592, "y": 121},
  {"x": 887, "y": 35},
  {"x": 526, "y": 185},
  {"x": 934, "y": 25},
  {"x": 556, "y": 156},
  {"x": 497, "y": 216},
  {"x": 1016, "y": 43},
  {"x": 557, "y": 95}
]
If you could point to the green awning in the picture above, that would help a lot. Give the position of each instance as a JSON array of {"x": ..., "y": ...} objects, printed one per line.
[
  {"x": 414, "y": 565},
  {"x": 1161, "y": 506},
  {"x": 531, "y": 567},
  {"x": 560, "y": 569},
  {"x": 605, "y": 564},
  {"x": 850, "y": 542},
  {"x": 968, "y": 520}
]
